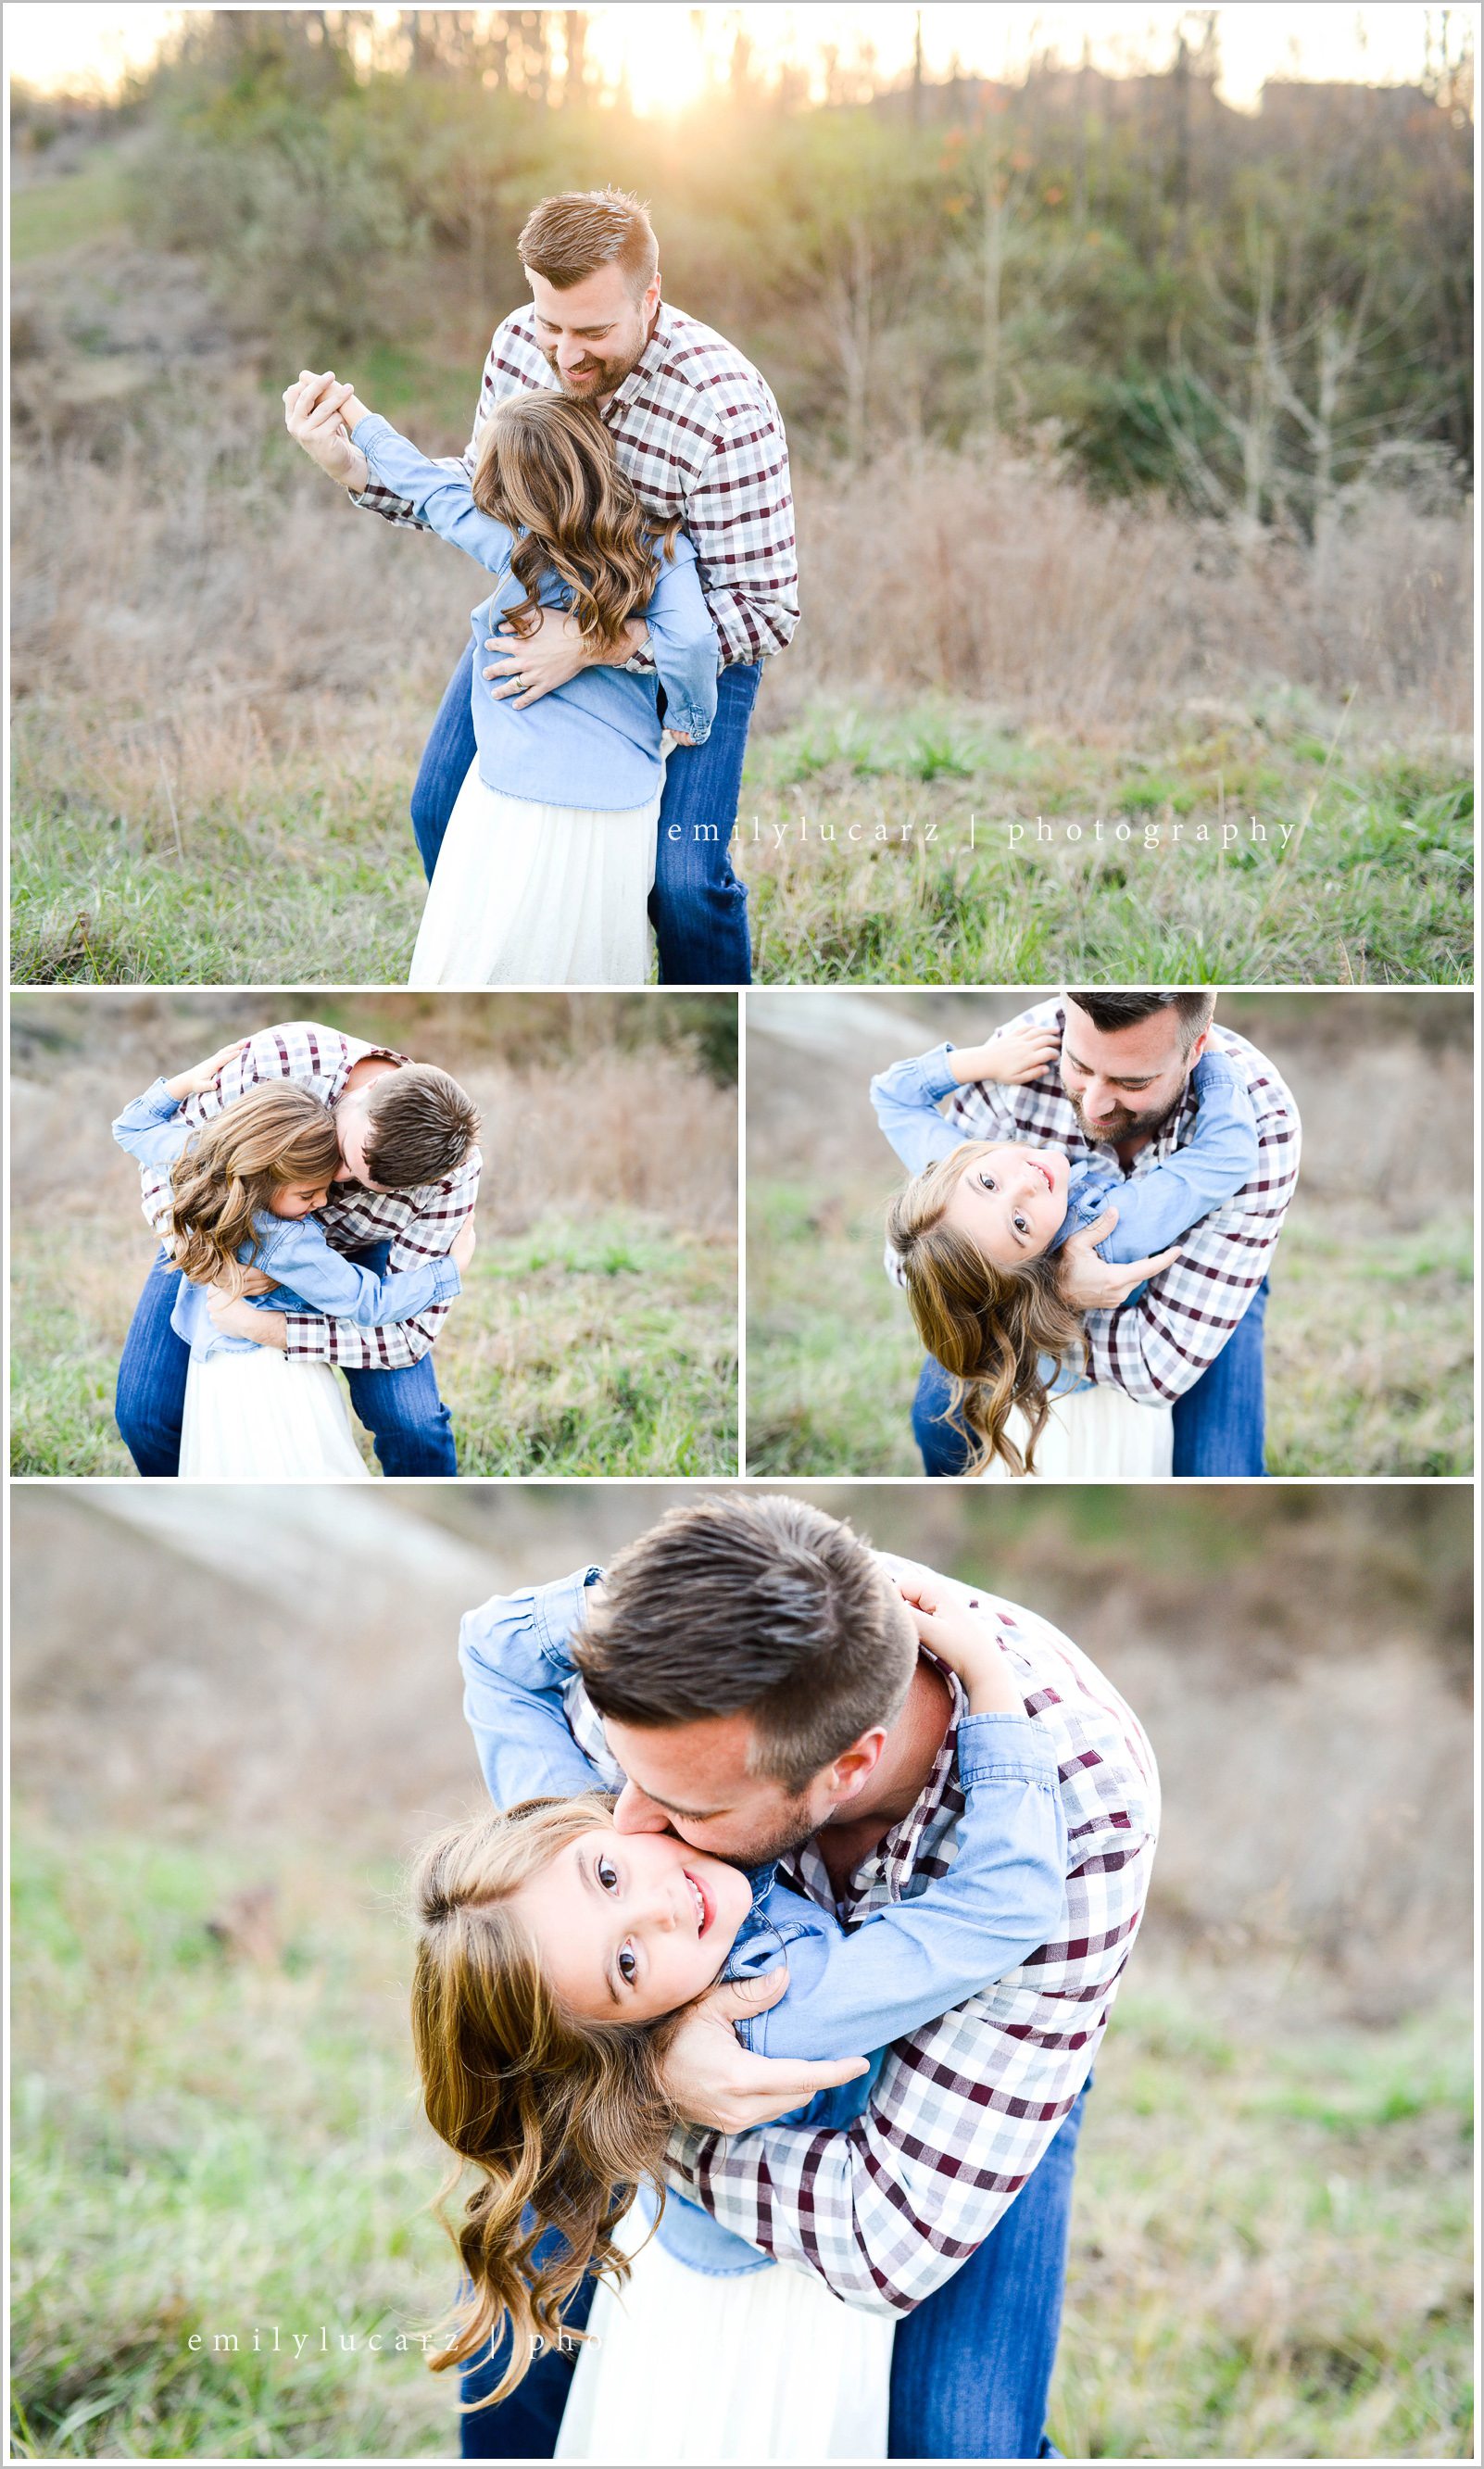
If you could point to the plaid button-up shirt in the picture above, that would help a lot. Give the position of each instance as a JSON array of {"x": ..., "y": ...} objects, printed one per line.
[
  {"x": 884, "y": 2211},
  {"x": 699, "y": 434},
  {"x": 421, "y": 1224},
  {"x": 1157, "y": 1346}
]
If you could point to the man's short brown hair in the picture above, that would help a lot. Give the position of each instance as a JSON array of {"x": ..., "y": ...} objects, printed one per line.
[
  {"x": 567, "y": 237},
  {"x": 1193, "y": 1008},
  {"x": 766, "y": 1607},
  {"x": 420, "y": 1127}
]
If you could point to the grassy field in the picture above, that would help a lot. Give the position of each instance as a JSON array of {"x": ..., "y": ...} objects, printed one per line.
[
  {"x": 604, "y": 1347},
  {"x": 288, "y": 870},
  {"x": 217, "y": 2135},
  {"x": 211, "y": 768},
  {"x": 597, "y": 1332},
  {"x": 1371, "y": 883}
]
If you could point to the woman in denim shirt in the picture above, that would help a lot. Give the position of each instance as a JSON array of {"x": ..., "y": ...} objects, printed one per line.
[
  {"x": 545, "y": 871},
  {"x": 976, "y": 1237},
  {"x": 556, "y": 1953},
  {"x": 245, "y": 1188}
]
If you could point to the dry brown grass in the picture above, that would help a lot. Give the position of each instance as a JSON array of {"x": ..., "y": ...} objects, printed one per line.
[{"x": 1003, "y": 579}]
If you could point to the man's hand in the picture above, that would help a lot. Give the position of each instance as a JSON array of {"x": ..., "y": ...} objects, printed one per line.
[
  {"x": 1090, "y": 1285},
  {"x": 714, "y": 2082},
  {"x": 461, "y": 1250},
  {"x": 200, "y": 1075},
  {"x": 236, "y": 1317},
  {"x": 535, "y": 664},
  {"x": 1020, "y": 1052},
  {"x": 314, "y": 414}
]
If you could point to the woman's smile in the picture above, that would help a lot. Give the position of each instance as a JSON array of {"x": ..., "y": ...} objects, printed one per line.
[{"x": 631, "y": 1927}]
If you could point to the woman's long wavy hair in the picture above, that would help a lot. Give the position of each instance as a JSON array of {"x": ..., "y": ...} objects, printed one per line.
[
  {"x": 546, "y": 468},
  {"x": 282, "y": 1133},
  {"x": 989, "y": 1327},
  {"x": 561, "y": 2120}
]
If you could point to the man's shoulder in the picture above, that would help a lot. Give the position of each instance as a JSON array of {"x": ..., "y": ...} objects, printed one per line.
[
  {"x": 1273, "y": 1099},
  {"x": 723, "y": 380},
  {"x": 292, "y": 1046}
]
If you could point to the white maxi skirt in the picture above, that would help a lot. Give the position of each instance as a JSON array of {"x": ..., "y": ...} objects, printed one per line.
[
  {"x": 1098, "y": 1434},
  {"x": 266, "y": 1418},
  {"x": 531, "y": 896},
  {"x": 703, "y": 2366}
]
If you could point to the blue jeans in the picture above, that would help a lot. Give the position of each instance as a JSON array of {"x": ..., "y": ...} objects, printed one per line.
[
  {"x": 401, "y": 1410},
  {"x": 698, "y": 905},
  {"x": 1219, "y": 1422},
  {"x": 970, "y": 2367}
]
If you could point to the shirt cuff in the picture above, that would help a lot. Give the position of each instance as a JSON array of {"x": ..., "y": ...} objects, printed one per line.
[
  {"x": 935, "y": 1076},
  {"x": 161, "y": 1104},
  {"x": 1004, "y": 1748},
  {"x": 556, "y": 1611},
  {"x": 447, "y": 1281}
]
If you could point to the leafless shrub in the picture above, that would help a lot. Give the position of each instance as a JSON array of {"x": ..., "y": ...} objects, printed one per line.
[{"x": 1003, "y": 579}]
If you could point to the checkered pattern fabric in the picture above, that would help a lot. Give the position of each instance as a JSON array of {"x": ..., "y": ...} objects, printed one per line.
[
  {"x": 420, "y": 1225},
  {"x": 699, "y": 434}
]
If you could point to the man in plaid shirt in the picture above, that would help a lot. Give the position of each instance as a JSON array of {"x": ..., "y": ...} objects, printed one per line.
[
  {"x": 698, "y": 433},
  {"x": 1114, "y": 1084},
  {"x": 937, "y": 2190},
  {"x": 410, "y": 1181}
]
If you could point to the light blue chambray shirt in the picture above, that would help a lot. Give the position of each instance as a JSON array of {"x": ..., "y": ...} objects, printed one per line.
[
  {"x": 850, "y": 1993},
  {"x": 310, "y": 1275},
  {"x": 594, "y": 742}
]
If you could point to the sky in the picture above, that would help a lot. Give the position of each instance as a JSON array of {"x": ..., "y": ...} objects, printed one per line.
[{"x": 666, "y": 48}]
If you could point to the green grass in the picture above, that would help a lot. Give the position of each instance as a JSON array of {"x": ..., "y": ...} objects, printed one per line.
[
  {"x": 206, "y": 2146},
  {"x": 601, "y": 1347},
  {"x": 1271, "y": 2244},
  {"x": 54, "y": 216},
  {"x": 1369, "y": 1345},
  {"x": 1374, "y": 884},
  {"x": 280, "y": 877},
  {"x": 1371, "y": 1351},
  {"x": 1270, "y": 2250}
]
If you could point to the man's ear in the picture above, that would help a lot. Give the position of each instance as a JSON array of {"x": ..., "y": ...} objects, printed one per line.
[
  {"x": 1198, "y": 1048},
  {"x": 853, "y": 1769}
]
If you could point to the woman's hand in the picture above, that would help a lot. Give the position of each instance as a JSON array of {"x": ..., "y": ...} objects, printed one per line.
[
  {"x": 1090, "y": 1285},
  {"x": 1023, "y": 1052},
  {"x": 200, "y": 1075},
  {"x": 461, "y": 1250},
  {"x": 315, "y": 414},
  {"x": 966, "y": 1644}
]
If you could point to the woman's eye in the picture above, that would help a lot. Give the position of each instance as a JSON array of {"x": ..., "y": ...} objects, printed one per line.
[
  {"x": 987, "y": 1180},
  {"x": 628, "y": 1963},
  {"x": 607, "y": 1875},
  {"x": 1022, "y": 1223}
]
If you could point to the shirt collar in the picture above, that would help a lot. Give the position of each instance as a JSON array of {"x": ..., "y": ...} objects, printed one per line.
[
  {"x": 896, "y": 1853},
  {"x": 651, "y": 361}
]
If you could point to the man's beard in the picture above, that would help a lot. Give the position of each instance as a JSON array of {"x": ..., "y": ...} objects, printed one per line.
[
  {"x": 611, "y": 375},
  {"x": 1124, "y": 1125},
  {"x": 792, "y": 1828}
]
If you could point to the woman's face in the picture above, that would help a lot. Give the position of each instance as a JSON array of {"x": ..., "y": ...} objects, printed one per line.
[
  {"x": 299, "y": 1199},
  {"x": 631, "y": 1927},
  {"x": 1009, "y": 1200}
]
